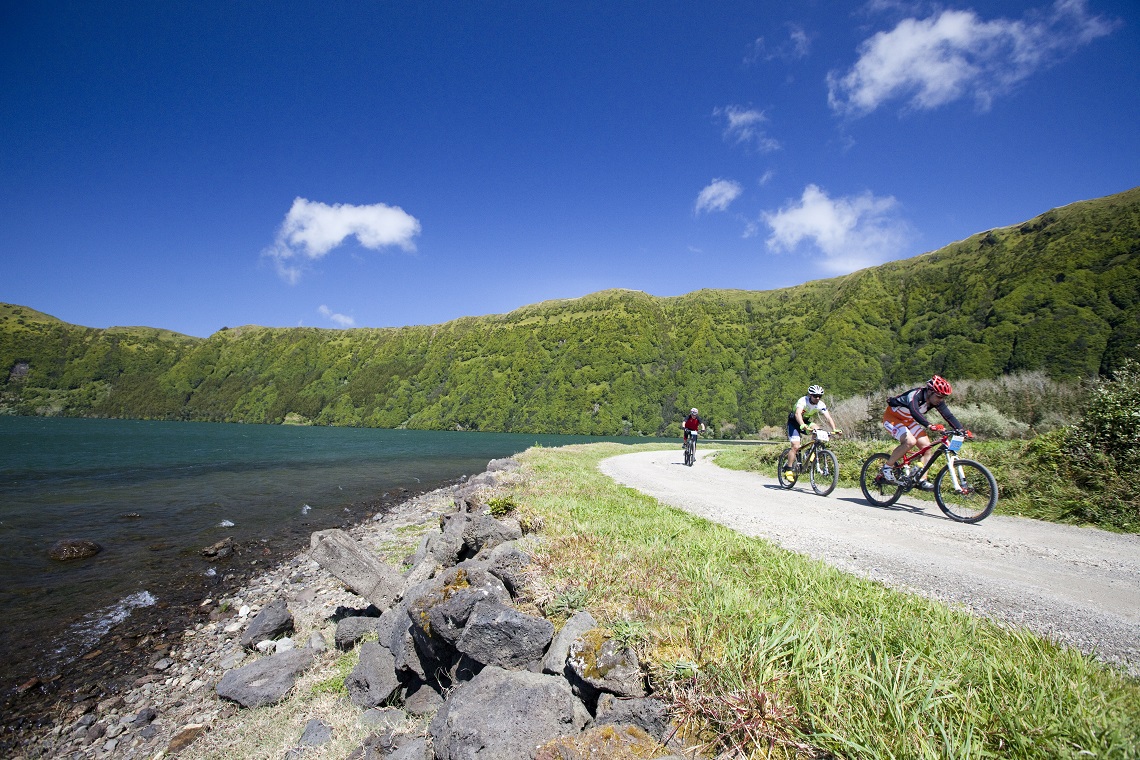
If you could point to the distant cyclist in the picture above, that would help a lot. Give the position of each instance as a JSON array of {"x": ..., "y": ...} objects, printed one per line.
[
  {"x": 692, "y": 422},
  {"x": 800, "y": 421},
  {"x": 905, "y": 419}
]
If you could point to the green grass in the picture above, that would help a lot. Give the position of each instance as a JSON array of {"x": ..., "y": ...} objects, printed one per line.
[{"x": 767, "y": 653}]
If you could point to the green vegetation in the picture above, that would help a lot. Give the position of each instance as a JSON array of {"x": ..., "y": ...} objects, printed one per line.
[
  {"x": 334, "y": 683},
  {"x": 1058, "y": 295},
  {"x": 765, "y": 650},
  {"x": 502, "y": 506}
]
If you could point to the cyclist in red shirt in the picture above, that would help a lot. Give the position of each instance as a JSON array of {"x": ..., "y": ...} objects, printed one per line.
[
  {"x": 693, "y": 421},
  {"x": 905, "y": 419}
]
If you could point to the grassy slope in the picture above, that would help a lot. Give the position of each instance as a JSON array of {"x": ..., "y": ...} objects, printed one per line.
[{"x": 792, "y": 652}]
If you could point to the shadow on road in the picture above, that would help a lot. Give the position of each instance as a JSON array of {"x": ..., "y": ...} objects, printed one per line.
[{"x": 914, "y": 509}]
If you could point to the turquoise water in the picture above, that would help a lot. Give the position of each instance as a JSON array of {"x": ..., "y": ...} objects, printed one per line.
[{"x": 154, "y": 493}]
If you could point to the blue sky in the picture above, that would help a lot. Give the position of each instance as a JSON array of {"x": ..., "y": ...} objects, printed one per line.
[{"x": 198, "y": 165}]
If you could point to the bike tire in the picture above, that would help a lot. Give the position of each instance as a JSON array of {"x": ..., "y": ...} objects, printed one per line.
[
  {"x": 690, "y": 452},
  {"x": 874, "y": 489},
  {"x": 975, "y": 501},
  {"x": 824, "y": 472},
  {"x": 781, "y": 465}
]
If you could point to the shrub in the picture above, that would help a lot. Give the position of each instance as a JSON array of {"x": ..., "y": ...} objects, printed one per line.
[
  {"x": 1088, "y": 468},
  {"x": 1111, "y": 422},
  {"x": 1028, "y": 397},
  {"x": 987, "y": 422},
  {"x": 502, "y": 505}
]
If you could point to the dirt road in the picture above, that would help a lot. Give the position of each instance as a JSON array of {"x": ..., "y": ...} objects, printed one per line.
[{"x": 1078, "y": 586}]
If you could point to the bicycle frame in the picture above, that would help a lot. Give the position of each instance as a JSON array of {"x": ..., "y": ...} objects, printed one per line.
[
  {"x": 806, "y": 454},
  {"x": 941, "y": 446}
]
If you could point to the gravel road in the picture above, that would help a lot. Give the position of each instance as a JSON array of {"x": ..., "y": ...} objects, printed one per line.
[{"x": 1077, "y": 586}]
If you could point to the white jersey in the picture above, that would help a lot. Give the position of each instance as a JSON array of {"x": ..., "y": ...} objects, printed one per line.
[{"x": 807, "y": 410}]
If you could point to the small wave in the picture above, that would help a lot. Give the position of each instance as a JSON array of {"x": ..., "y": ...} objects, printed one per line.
[
  {"x": 211, "y": 573},
  {"x": 225, "y": 524},
  {"x": 306, "y": 509},
  {"x": 93, "y": 626}
]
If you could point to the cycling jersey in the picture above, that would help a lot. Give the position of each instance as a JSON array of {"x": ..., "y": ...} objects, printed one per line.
[
  {"x": 910, "y": 408},
  {"x": 692, "y": 422},
  {"x": 807, "y": 410}
]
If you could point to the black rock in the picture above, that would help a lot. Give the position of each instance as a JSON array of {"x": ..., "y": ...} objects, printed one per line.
[{"x": 73, "y": 548}]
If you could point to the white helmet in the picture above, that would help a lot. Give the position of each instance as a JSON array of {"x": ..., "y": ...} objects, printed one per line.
[
  {"x": 815, "y": 390},
  {"x": 693, "y": 410}
]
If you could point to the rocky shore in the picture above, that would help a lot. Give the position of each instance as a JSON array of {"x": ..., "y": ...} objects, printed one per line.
[{"x": 184, "y": 703}]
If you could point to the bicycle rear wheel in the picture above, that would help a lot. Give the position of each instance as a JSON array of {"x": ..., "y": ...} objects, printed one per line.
[
  {"x": 875, "y": 489},
  {"x": 975, "y": 496},
  {"x": 824, "y": 472},
  {"x": 782, "y": 465}
]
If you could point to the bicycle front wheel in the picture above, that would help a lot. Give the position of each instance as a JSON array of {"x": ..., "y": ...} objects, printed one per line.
[
  {"x": 786, "y": 481},
  {"x": 824, "y": 472},
  {"x": 973, "y": 498},
  {"x": 690, "y": 454},
  {"x": 875, "y": 489}
]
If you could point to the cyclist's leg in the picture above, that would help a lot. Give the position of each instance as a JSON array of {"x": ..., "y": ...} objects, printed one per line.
[
  {"x": 794, "y": 440},
  {"x": 923, "y": 441},
  {"x": 907, "y": 440}
]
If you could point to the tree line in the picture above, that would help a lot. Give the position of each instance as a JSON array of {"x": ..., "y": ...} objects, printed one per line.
[{"x": 1058, "y": 294}]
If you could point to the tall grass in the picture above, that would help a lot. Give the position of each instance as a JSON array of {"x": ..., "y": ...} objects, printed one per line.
[{"x": 765, "y": 653}]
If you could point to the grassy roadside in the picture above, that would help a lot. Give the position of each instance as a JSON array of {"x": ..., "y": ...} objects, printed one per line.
[
  {"x": 764, "y": 650},
  {"x": 1026, "y": 488}
]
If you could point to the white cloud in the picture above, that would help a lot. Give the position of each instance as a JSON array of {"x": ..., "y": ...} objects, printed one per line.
[
  {"x": 744, "y": 125},
  {"x": 955, "y": 54},
  {"x": 800, "y": 43},
  {"x": 338, "y": 319},
  {"x": 718, "y": 195},
  {"x": 851, "y": 232},
  {"x": 312, "y": 229},
  {"x": 797, "y": 46}
]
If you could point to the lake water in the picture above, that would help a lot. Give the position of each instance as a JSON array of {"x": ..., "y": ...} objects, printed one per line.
[{"x": 153, "y": 494}]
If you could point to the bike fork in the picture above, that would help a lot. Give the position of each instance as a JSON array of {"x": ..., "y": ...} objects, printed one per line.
[{"x": 951, "y": 464}]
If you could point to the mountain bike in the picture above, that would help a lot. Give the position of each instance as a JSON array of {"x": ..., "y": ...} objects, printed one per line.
[
  {"x": 815, "y": 458},
  {"x": 964, "y": 489},
  {"x": 690, "y": 447}
]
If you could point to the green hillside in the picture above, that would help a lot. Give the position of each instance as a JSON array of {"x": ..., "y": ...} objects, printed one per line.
[{"x": 1060, "y": 293}]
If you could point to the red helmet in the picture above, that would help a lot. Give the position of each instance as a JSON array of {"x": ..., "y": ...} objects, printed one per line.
[{"x": 939, "y": 385}]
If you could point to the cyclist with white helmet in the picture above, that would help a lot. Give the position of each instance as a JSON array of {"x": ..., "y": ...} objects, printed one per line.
[
  {"x": 905, "y": 419},
  {"x": 693, "y": 421},
  {"x": 800, "y": 421}
]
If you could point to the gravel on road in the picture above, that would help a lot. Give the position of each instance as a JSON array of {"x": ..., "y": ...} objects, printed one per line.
[{"x": 1077, "y": 586}]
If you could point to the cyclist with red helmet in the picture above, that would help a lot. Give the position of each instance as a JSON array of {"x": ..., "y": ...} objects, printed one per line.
[{"x": 905, "y": 419}]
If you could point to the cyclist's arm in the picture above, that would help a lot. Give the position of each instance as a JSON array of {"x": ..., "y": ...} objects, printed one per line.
[
  {"x": 919, "y": 417},
  {"x": 830, "y": 421},
  {"x": 947, "y": 415},
  {"x": 800, "y": 419}
]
